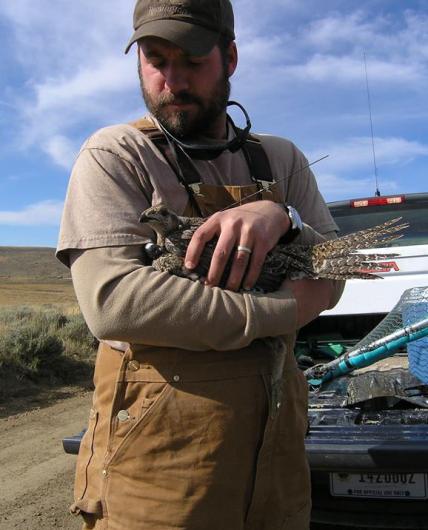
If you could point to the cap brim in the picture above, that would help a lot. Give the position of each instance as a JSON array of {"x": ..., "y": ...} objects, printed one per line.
[{"x": 193, "y": 39}]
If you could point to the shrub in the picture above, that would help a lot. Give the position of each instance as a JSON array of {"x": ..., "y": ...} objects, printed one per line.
[
  {"x": 77, "y": 340},
  {"x": 30, "y": 349},
  {"x": 39, "y": 344},
  {"x": 10, "y": 315}
]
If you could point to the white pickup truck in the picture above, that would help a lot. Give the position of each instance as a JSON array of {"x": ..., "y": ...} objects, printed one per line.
[
  {"x": 409, "y": 269},
  {"x": 365, "y": 303}
]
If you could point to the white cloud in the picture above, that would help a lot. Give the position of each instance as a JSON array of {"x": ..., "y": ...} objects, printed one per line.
[
  {"x": 62, "y": 35},
  {"x": 93, "y": 93},
  {"x": 328, "y": 68},
  {"x": 112, "y": 74},
  {"x": 62, "y": 151},
  {"x": 328, "y": 49},
  {"x": 75, "y": 67},
  {"x": 356, "y": 153},
  {"x": 38, "y": 214},
  {"x": 349, "y": 170},
  {"x": 396, "y": 37},
  {"x": 334, "y": 187},
  {"x": 326, "y": 32}
]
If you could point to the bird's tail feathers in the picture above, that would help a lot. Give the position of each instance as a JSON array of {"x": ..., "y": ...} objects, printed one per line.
[
  {"x": 338, "y": 259},
  {"x": 371, "y": 237},
  {"x": 349, "y": 276},
  {"x": 354, "y": 266}
]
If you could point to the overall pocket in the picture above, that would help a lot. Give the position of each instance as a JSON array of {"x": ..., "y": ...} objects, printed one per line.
[
  {"x": 137, "y": 395},
  {"x": 137, "y": 405}
]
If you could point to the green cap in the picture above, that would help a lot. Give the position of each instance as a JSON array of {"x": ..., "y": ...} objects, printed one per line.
[{"x": 193, "y": 25}]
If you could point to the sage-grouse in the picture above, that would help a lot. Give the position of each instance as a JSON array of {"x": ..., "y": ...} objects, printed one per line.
[{"x": 335, "y": 259}]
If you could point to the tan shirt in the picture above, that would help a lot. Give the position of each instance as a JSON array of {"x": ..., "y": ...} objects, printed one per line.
[{"x": 119, "y": 173}]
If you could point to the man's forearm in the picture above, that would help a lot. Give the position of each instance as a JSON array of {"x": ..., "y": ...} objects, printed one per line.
[
  {"x": 124, "y": 300},
  {"x": 313, "y": 297}
]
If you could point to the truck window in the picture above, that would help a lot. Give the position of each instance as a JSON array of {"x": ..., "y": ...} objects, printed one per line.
[{"x": 416, "y": 214}]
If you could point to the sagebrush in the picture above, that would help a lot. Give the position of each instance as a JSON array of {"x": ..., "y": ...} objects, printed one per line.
[{"x": 44, "y": 344}]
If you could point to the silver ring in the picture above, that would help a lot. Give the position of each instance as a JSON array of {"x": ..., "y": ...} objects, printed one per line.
[{"x": 244, "y": 249}]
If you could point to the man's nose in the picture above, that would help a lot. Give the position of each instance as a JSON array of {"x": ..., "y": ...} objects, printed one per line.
[{"x": 175, "y": 79}]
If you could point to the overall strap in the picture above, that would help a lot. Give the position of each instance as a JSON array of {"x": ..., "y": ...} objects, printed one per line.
[
  {"x": 257, "y": 160},
  {"x": 191, "y": 175}
]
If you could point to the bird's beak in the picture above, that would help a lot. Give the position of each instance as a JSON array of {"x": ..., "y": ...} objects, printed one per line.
[{"x": 144, "y": 218}]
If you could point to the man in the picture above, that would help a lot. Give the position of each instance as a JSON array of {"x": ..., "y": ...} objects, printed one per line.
[{"x": 199, "y": 410}]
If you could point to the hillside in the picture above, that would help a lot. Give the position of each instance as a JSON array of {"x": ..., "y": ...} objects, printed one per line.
[
  {"x": 32, "y": 276},
  {"x": 31, "y": 264}
]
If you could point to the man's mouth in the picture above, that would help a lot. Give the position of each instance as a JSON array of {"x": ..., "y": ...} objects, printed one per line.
[
  {"x": 180, "y": 101},
  {"x": 180, "y": 104}
]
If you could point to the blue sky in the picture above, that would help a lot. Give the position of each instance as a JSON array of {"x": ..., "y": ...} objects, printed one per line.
[{"x": 300, "y": 75}]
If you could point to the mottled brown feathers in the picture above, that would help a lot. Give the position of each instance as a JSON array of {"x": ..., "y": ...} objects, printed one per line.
[{"x": 334, "y": 259}]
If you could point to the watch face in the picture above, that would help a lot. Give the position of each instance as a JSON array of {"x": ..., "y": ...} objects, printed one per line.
[
  {"x": 296, "y": 225},
  {"x": 296, "y": 222}
]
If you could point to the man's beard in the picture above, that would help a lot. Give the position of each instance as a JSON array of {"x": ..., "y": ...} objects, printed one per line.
[{"x": 184, "y": 123}]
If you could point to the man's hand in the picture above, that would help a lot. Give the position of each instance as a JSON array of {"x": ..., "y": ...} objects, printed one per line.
[
  {"x": 257, "y": 226},
  {"x": 312, "y": 297}
]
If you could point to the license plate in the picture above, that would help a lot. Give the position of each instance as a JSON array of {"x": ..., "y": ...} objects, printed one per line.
[{"x": 379, "y": 485}]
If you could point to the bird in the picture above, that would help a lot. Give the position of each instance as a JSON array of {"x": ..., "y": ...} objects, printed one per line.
[{"x": 335, "y": 259}]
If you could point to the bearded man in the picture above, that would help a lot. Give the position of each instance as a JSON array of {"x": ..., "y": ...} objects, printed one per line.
[{"x": 199, "y": 410}]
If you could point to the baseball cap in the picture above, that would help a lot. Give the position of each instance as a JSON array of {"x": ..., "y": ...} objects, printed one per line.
[{"x": 193, "y": 25}]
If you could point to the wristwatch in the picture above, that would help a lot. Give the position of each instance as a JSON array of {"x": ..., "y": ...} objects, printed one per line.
[{"x": 296, "y": 225}]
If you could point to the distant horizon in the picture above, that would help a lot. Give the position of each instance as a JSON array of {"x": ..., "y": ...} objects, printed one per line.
[
  {"x": 28, "y": 246},
  {"x": 301, "y": 75}
]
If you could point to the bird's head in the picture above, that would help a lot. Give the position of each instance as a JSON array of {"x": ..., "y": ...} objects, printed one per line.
[{"x": 160, "y": 219}]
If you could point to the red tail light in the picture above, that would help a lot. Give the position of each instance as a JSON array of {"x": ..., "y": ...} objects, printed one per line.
[{"x": 377, "y": 201}]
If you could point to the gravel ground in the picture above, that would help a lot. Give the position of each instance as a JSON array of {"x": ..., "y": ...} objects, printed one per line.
[{"x": 36, "y": 475}]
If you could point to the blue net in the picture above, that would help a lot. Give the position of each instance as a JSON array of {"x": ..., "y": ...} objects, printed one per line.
[{"x": 414, "y": 308}]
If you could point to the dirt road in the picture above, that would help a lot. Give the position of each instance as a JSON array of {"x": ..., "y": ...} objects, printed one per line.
[{"x": 36, "y": 475}]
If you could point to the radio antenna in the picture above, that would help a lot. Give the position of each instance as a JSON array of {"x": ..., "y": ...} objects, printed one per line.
[{"x": 377, "y": 192}]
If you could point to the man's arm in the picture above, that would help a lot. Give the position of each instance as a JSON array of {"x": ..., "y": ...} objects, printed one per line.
[
  {"x": 313, "y": 297},
  {"x": 122, "y": 299}
]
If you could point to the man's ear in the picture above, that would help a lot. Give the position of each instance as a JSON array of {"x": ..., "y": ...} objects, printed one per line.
[{"x": 232, "y": 58}]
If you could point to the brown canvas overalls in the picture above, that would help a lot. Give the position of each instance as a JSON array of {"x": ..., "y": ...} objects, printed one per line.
[{"x": 196, "y": 440}]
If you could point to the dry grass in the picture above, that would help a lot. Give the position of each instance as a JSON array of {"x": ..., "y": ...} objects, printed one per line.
[{"x": 58, "y": 293}]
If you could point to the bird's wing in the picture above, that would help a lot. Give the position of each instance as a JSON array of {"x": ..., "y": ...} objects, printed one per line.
[
  {"x": 191, "y": 223},
  {"x": 177, "y": 241}
]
